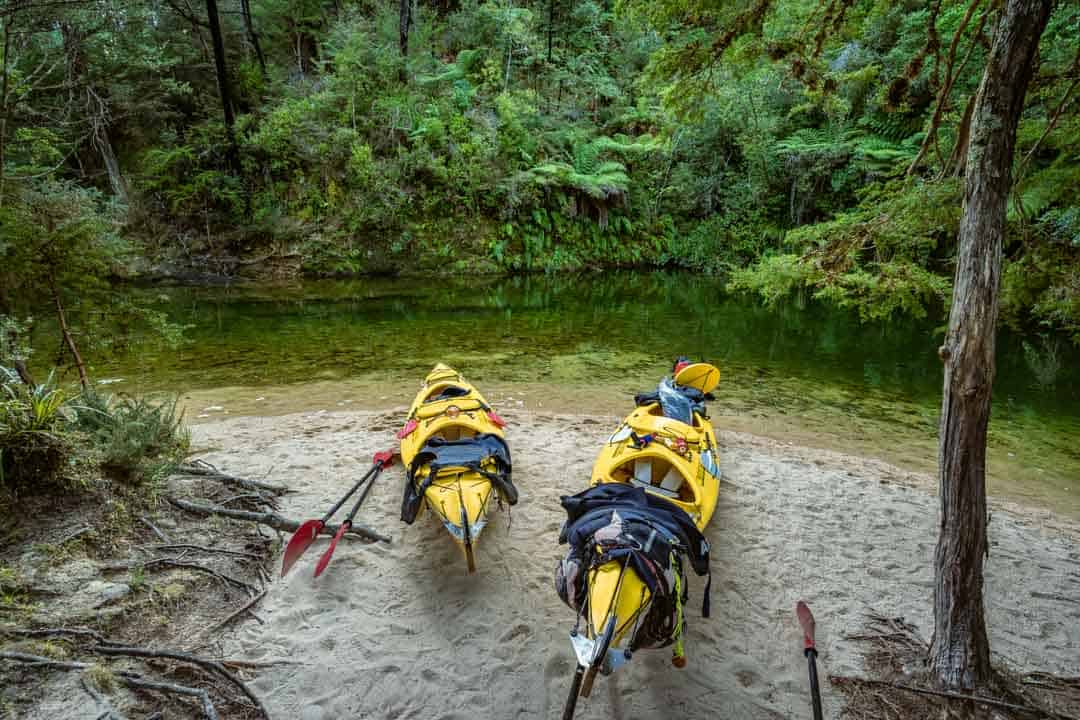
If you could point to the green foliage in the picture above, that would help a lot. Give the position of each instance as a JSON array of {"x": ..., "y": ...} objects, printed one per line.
[
  {"x": 768, "y": 139},
  {"x": 132, "y": 434},
  {"x": 33, "y": 441}
]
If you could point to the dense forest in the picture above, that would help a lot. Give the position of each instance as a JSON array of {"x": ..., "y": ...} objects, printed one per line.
[{"x": 813, "y": 149}]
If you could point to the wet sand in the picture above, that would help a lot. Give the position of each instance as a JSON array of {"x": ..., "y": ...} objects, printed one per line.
[{"x": 401, "y": 631}]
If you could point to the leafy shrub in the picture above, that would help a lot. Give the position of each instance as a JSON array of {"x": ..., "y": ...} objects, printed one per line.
[
  {"x": 33, "y": 444},
  {"x": 131, "y": 431}
]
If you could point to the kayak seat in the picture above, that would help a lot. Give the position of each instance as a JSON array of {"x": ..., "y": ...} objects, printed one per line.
[
  {"x": 655, "y": 474},
  {"x": 445, "y": 391}
]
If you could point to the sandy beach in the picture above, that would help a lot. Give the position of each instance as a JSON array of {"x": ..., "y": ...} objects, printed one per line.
[{"x": 400, "y": 630}]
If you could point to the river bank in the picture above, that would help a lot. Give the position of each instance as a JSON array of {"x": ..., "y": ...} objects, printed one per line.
[{"x": 400, "y": 630}]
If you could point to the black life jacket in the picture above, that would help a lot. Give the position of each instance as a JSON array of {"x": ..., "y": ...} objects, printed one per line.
[{"x": 468, "y": 453}]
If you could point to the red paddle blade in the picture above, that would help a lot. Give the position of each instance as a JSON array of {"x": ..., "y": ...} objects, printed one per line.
[
  {"x": 806, "y": 619},
  {"x": 494, "y": 417},
  {"x": 407, "y": 430},
  {"x": 325, "y": 559},
  {"x": 386, "y": 458},
  {"x": 299, "y": 542}
]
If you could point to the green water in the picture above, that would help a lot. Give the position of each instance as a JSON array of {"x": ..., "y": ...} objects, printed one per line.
[{"x": 807, "y": 372}]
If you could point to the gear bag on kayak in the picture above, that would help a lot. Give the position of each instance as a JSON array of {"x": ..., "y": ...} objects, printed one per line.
[
  {"x": 468, "y": 453},
  {"x": 619, "y": 522}
]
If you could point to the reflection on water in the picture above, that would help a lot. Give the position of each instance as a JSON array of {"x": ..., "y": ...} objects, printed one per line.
[{"x": 811, "y": 370}]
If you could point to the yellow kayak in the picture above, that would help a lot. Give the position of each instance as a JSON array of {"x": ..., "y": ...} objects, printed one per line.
[
  {"x": 456, "y": 458},
  {"x": 667, "y": 448}
]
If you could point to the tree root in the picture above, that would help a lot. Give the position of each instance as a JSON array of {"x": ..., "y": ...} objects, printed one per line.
[
  {"x": 108, "y": 712},
  {"x": 201, "y": 468},
  {"x": 201, "y": 548},
  {"x": 128, "y": 679},
  {"x": 272, "y": 520},
  {"x": 213, "y": 666},
  {"x": 237, "y": 613},
  {"x": 979, "y": 699}
]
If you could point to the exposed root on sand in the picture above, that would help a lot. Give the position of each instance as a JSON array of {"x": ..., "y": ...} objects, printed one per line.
[{"x": 904, "y": 690}]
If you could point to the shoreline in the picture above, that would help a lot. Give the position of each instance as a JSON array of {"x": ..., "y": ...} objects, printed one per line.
[
  {"x": 401, "y": 629},
  {"x": 1010, "y": 479}
]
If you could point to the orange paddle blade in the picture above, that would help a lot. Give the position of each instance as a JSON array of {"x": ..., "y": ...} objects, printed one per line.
[
  {"x": 325, "y": 559},
  {"x": 806, "y": 619},
  {"x": 299, "y": 542}
]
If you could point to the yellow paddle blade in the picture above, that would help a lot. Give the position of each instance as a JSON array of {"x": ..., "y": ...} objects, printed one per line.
[{"x": 702, "y": 376}]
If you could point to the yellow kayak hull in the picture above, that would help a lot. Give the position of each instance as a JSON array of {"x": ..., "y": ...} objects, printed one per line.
[
  {"x": 450, "y": 407},
  {"x": 680, "y": 464}
]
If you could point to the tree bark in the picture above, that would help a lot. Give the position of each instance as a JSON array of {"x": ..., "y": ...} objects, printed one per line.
[
  {"x": 957, "y": 161},
  {"x": 404, "y": 20},
  {"x": 960, "y": 650},
  {"x": 65, "y": 332},
  {"x": 253, "y": 37},
  {"x": 4, "y": 103},
  {"x": 233, "y": 156}
]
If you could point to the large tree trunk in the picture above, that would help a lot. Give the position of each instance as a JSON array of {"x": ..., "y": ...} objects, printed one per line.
[
  {"x": 233, "y": 157},
  {"x": 960, "y": 651}
]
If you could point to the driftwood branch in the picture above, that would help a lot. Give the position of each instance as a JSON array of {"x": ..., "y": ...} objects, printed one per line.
[
  {"x": 108, "y": 712},
  {"x": 57, "y": 632},
  {"x": 42, "y": 661},
  {"x": 154, "y": 529},
  {"x": 237, "y": 613},
  {"x": 128, "y": 679},
  {"x": 177, "y": 563},
  {"x": 198, "y": 693},
  {"x": 273, "y": 520},
  {"x": 213, "y": 666},
  {"x": 202, "y": 548},
  {"x": 980, "y": 699},
  {"x": 201, "y": 468}
]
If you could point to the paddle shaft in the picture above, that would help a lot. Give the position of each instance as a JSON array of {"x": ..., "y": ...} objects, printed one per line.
[
  {"x": 373, "y": 473},
  {"x": 337, "y": 506},
  {"x": 575, "y": 688},
  {"x": 815, "y": 692}
]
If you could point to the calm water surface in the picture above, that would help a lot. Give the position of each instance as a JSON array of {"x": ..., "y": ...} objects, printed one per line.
[{"x": 808, "y": 373}]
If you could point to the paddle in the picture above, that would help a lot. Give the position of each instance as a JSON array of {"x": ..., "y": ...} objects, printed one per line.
[
  {"x": 575, "y": 689},
  {"x": 383, "y": 459},
  {"x": 806, "y": 619},
  {"x": 306, "y": 533}
]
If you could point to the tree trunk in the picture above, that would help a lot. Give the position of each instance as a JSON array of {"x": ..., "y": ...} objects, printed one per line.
[
  {"x": 233, "y": 156},
  {"x": 550, "y": 28},
  {"x": 960, "y": 650},
  {"x": 4, "y": 72},
  {"x": 957, "y": 161},
  {"x": 65, "y": 332},
  {"x": 253, "y": 37},
  {"x": 404, "y": 20}
]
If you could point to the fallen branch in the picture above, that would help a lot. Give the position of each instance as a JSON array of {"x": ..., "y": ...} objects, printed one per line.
[
  {"x": 109, "y": 712},
  {"x": 71, "y": 536},
  {"x": 980, "y": 699},
  {"x": 42, "y": 661},
  {"x": 154, "y": 529},
  {"x": 1052, "y": 596},
  {"x": 233, "y": 615},
  {"x": 202, "y": 695},
  {"x": 201, "y": 548},
  {"x": 213, "y": 666},
  {"x": 54, "y": 632},
  {"x": 273, "y": 520},
  {"x": 129, "y": 679},
  {"x": 169, "y": 562},
  {"x": 201, "y": 468}
]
